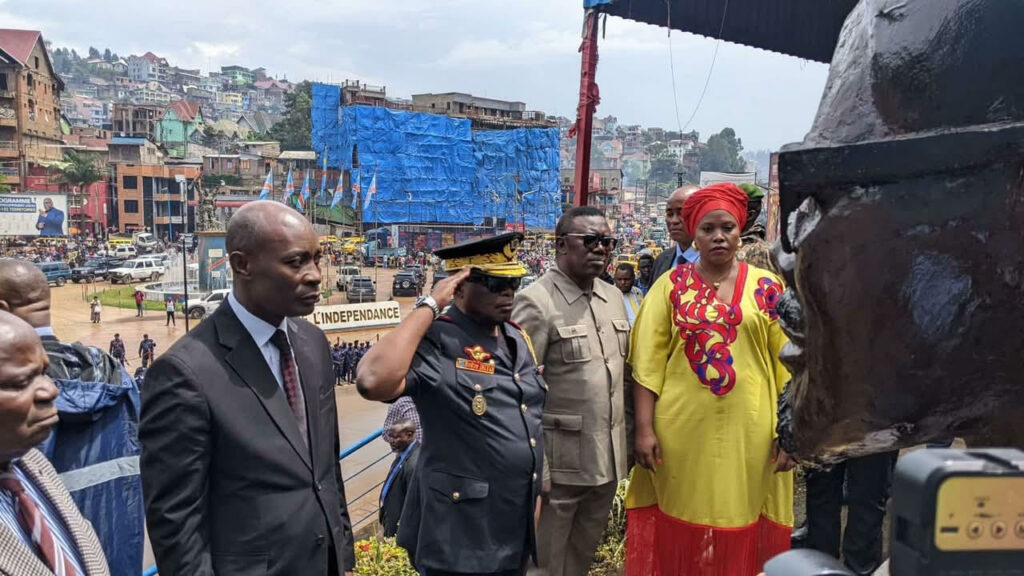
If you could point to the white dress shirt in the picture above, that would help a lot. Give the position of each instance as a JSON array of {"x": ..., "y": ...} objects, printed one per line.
[{"x": 261, "y": 332}]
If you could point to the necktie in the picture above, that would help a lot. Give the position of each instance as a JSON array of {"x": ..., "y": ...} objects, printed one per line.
[
  {"x": 33, "y": 523},
  {"x": 290, "y": 380}
]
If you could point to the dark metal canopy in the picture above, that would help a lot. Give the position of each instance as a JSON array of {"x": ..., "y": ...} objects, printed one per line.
[{"x": 803, "y": 28}]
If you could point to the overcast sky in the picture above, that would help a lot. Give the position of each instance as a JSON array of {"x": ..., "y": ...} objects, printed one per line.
[{"x": 511, "y": 49}]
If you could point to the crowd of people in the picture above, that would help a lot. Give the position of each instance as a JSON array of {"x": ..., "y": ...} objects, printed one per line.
[
  {"x": 515, "y": 414},
  {"x": 345, "y": 357}
]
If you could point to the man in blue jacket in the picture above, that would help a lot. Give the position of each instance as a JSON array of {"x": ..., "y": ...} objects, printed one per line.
[
  {"x": 51, "y": 220},
  {"x": 95, "y": 446}
]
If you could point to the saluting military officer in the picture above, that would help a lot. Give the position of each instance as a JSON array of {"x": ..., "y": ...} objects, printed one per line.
[{"x": 479, "y": 394}]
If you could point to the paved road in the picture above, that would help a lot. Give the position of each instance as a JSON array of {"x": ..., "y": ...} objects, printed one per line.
[{"x": 356, "y": 417}]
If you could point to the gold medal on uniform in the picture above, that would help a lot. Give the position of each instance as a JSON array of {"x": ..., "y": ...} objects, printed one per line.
[{"x": 479, "y": 404}]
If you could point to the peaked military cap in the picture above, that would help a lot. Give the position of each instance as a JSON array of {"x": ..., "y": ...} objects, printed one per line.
[{"x": 495, "y": 256}]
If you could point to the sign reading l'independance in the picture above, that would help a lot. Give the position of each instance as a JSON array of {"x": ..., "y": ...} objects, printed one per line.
[{"x": 356, "y": 316}]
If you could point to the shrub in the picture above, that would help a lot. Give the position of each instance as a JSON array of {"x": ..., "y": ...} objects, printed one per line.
[{"x": 382, "y": 557}]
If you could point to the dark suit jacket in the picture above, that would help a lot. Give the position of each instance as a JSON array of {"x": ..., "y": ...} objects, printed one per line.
[
  {"x": 230, "y": 486},
  {"x": 663, "y": 263}
]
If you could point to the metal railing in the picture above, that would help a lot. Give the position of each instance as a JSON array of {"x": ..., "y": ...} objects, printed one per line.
[{"x": 362, "y": 443}]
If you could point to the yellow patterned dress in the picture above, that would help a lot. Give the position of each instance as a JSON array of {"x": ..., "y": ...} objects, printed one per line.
[{"x": 715, "y": 507}]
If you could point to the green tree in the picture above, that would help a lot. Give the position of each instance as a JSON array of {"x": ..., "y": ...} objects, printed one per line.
[
  {"x": 295, "y": 128},
  {"x": 93, "y": 53},
  {"x": 79, "y": 172},
  {"x": 107, "y": 56},
  {"x": 722, "y": 153},
  {"x": 664, "y": 164}
]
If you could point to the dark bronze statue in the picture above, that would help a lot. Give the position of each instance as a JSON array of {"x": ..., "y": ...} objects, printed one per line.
[{"x": 903, "y": 235}]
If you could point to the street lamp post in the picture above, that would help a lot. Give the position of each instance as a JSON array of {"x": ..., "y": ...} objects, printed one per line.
[{"x": 183, "y": 185}]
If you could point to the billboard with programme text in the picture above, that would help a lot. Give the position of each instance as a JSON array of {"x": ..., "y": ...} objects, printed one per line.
[{"x": 34, "y": 214}]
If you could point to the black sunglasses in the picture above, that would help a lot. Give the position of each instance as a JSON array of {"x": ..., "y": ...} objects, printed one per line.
[
  {"x": 591, "y": 240},
  {"x": 495, "y": 284}
]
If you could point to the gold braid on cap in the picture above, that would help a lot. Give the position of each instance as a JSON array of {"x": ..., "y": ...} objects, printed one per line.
[{"x": 502, "y": 263}]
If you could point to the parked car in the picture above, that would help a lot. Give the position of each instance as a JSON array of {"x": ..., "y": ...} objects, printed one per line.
[
  {"x": 406, "y": 284},
  {"x": 136, "y": 270},
  {"x": 161, "y": 258},
  {"x": 361, "y": 289},
  {"x": 145, "y": 242},
  {"x": 199, "y": 307},
  {"x": 94, "y": 269},
  {"x": 345, "y": 276},
  {"x": 421, "y": 275},
  {"x": 56, "y": 272},
  {"x": 125, "y": 252}
]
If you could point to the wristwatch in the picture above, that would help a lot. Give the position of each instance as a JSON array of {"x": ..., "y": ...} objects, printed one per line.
[{"x": 429, "y": 302}]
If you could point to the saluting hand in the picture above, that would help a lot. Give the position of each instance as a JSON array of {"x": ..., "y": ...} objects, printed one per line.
[{"x": 445, "y": 289}]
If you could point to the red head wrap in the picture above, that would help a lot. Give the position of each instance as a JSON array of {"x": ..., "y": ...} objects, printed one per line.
[{"x": 723, "y": 196}]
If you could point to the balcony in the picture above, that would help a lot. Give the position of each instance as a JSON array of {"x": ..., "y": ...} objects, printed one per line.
[
  {"x": 12, "y": 121},
  {"x": 8, "y": 149},
  {"x": 9, "y": 175}
]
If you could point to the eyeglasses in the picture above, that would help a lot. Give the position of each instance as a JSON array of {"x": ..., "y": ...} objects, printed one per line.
[
  {"x": 591, "y": 240},
  {"x": 495, "y": 284}
]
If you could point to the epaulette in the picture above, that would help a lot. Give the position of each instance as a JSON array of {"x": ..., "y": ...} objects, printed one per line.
[
  {"x": 514, "y": 325},
  {"x": 529, "y": 343},
  {"x": 445, "y": 318}
]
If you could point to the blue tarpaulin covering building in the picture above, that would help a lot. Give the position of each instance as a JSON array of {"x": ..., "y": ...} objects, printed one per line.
[{"x": 434, "y": 168}]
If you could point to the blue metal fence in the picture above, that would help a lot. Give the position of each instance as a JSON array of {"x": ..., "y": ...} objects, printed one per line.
[{"x": 152, "y": 571}]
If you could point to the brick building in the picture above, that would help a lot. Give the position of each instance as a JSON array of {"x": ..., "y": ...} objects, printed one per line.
[{"x": 30, "y": 90}]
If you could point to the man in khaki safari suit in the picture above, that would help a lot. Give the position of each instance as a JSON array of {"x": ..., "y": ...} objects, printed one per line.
[{"x": 580, "y": 333}]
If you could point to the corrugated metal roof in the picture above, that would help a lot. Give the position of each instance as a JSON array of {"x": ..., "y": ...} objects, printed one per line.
[{"x": 803, "y": 28}]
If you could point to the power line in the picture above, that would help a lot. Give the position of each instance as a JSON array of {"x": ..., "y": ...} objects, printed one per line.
[{"x": 707, "y": 80}]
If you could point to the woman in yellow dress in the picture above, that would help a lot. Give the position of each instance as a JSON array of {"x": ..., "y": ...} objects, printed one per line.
[{"x": 713, "y": 494}]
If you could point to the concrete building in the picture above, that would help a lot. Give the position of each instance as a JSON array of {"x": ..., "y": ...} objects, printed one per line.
[
  {"x": 271, "y": 92},
  {"x": 30, "y": 117},
  {"x": 484, "y": 113},
  {"x": 136, "y": 120},
  {"x": 148, "y": 67},
  {"x": 132, "y": 150},
  {"x": 149, "y": 198},
  {"x": 232, "y": 99},
  {"x": 354, "y": 92},
  {"x": 238, "y": 75},
  {"x": 248, "y": 170}
]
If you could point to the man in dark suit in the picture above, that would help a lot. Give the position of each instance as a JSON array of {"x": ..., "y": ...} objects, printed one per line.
[
  {"x": 239, "y": 426},
  {"x": 682, "y": 251}
]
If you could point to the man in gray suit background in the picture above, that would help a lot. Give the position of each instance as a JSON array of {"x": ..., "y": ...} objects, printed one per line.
[
  {"x": 682, "y": 250},
  {"x": 239, "y": 424}
]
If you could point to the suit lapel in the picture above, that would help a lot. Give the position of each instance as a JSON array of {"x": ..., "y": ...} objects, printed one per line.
[
  {"x": 309, "y": 379},
  {"x": 16, "y": 558},
  {"x": 35, "y": 466},
  {"x": 247, "y": 361}
]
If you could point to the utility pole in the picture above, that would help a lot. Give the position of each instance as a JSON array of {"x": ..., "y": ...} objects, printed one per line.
[
  {"x": 516, "y": 200},
  {"x": 183, "y": 186}
]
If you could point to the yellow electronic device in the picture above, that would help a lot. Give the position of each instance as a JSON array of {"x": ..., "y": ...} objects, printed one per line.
[{"x": 958, "y": 512}]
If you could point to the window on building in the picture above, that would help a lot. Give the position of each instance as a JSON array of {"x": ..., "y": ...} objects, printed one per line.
[
  {"x": 231, "y": 164},
  {"x": 37, "y": 62},
  {"x": 130, "y": 182},
  {"x": 3, "y": 81},
  {"x": 131, "y": 206},
  {"x": 245, "y": 164}
]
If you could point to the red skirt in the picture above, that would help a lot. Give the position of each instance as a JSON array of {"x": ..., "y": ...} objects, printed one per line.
[{"x": 659, "y": 545}]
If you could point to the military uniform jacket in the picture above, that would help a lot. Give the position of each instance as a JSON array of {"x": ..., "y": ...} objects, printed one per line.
[
  {"x": 480, "y": 403},
  {"x": 582, "y": 341}
]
